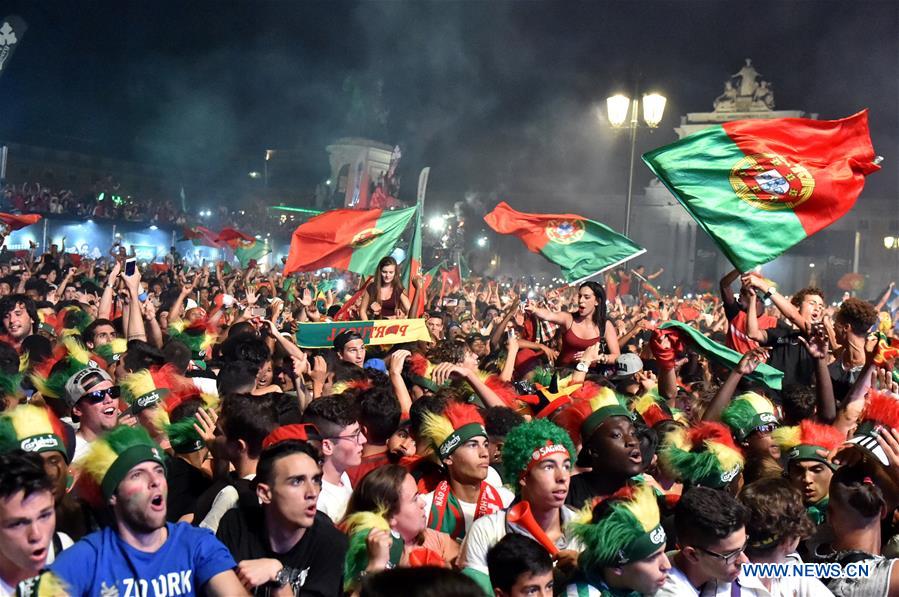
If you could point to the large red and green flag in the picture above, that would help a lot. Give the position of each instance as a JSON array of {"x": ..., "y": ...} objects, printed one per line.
[
  {"x": 348, "y": 239},
  {"x": 581, "y": 247},
  {"x": 758, "y": 187},
  {"x": 10, "y": 222},
  {"x": 247, "y": 251},
  {"x": 233, "y": 237}
]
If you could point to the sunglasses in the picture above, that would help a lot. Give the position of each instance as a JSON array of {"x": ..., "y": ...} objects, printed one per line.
[
  {"x": 98, "y": 396},
  {"x": 766, "y": 428}
]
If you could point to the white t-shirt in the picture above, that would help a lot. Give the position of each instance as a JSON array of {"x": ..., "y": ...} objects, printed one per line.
[
  {"x": 487, "y": 531},
  {"x": 787, "y": 586},
  {"x": 333, "y": 499},
  {"x": 677, "y": 584},
  {"x": 81, "y": 447}
]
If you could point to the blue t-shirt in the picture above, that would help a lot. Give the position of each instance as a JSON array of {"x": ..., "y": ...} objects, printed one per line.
[{"x": 103, "y": 564}]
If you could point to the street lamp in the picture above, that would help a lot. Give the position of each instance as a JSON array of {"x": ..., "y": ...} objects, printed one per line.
[{"x": 619, "y": 107}]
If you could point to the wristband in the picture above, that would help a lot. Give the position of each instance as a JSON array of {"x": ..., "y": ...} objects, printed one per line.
[{"x": 768, "y": 294}]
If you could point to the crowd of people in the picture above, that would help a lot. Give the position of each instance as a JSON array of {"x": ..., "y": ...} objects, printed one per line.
[
  {"x": 163, "y": 433},
  {"x": 105, "y": 200}
]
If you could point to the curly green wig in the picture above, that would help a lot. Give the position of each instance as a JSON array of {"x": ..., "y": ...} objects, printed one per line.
[{"x": 529, "y": 443}]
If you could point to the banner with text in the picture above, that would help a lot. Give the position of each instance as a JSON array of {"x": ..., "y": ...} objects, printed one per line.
[{"x": 381, "y": 331}]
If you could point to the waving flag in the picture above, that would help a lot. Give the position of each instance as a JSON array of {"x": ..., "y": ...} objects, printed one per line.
[
  {"x": 247, "y": 251},
  {"x": 758, "y": 187},
  {"x": 10, "y": 222},
  {"x": 232, "y": 237},
  {"x": 200, "y": 235},
  {"x": 350, "y": 239},
  {"x": 581, "y": 247}
]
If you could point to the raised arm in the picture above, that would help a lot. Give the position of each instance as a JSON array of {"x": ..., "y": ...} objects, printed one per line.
[
  {"x": 562, "y": 318},
  {"x": 747, "y": 365},
  {"x": 724, "y": 287},
  {"x": 785, "y": 306}
]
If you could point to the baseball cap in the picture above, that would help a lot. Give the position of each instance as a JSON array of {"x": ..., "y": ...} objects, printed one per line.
[
  {"x": 83, "y": 382},
  {"x": 626, "y": 365}
]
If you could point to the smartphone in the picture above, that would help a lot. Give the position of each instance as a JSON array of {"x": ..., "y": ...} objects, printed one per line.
[
  {"x": 258, "y": 312},
  {"x": 130, "y": 266}
]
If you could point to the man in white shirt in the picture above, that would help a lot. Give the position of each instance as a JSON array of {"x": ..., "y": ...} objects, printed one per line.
[
  {"x": 711, "y": 533},
  {"x": 537, "y": 456},
  {"x": 335, "y": 418}
]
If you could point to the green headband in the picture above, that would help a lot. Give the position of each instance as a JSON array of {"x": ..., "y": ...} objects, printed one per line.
[
  {"x": 460, "y": 436},
  {"x": 643, "y": 546},
  {"x": 129, "y": 458},
  {"x": 808, "y": 452},
  {"x": 758, "y": 420},
  {"x": 47, "y": 442},
  {"x": 718, "y": 479},
  {"x": 592, "y": 423},
  {"x": 148, "y": 400}
]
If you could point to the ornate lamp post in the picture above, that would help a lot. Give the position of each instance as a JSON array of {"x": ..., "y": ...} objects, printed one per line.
[{"x": 619, "y": 107}]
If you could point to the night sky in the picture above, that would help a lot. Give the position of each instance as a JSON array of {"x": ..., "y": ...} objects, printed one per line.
[{"x": 499, "y": 98}]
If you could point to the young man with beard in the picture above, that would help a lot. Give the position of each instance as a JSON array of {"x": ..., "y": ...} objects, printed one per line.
[
  {"x": 336, "y": 419},
  {"x": 610, "y": 447},
  {"x": 284, "y": 545},
  {"x": 27, "y": 519},
  {"x": 538, "y": 457},
  {"x": 18, "y": 318},
  {"x": 711, "y": 534},
  {"x": 141, "y": 552},
  {"x": 459, "y": 441}
]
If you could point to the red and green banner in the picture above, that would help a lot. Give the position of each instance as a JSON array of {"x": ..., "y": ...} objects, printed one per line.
[
  {"x": 581, "y": 247},
  {"x": 380, "y": 331},
  {"x": 247, "y": 251},
  {"x": 348, "y": 239},
  {"x": 758, "y": 187}
]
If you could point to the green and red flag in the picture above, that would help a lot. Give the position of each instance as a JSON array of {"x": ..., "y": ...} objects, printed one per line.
[
  {"x": 247, "y": 251},
  {"x": 758, "y": 187},
  {"x": 581, "y": 247},
  {"x": 348, "y": 239}
]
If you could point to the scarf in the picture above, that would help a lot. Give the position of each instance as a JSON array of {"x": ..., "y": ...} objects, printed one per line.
[{"x": 446, "y": 511}]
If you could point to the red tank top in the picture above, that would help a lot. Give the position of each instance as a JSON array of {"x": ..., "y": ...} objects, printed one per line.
[
  {"x": 388, "y": 306},
  {"x": 573, "y": 344}
]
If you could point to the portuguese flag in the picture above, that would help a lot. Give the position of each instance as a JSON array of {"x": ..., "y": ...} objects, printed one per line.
[
  {"x": 758, "y": 187},
  {"x": 581, "y": 247},
  {"x": 348, "y": 239},
  {"x": 246, "y": 251}
]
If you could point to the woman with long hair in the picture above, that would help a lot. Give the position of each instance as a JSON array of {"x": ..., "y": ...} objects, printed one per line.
[
  {"x": 583, "y": 328},
  {"x": 385, "y": 297},
  {"x": 386, "y": 505}
]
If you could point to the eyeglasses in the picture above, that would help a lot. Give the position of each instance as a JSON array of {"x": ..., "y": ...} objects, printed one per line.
[
  {"x": 98, "y": 396},
  {"x": 728, "y": 558},
  {"x": 354, "y": 437}
]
